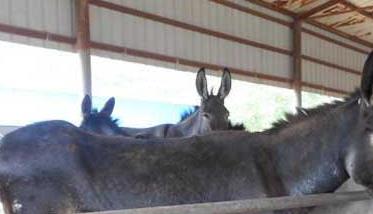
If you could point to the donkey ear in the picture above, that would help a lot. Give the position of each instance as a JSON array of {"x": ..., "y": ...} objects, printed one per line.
[
  {"x": 225, "y": 85},
  {"x": 367, "y": 78},
  {"x": 201, "y": 83},
  {"x": 86, "y": 105},
  {"x": 107, "y": 110}
]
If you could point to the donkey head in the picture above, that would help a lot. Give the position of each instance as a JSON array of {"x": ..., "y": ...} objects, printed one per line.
[
  {"x": 213, "y": 113},
  {"x": 359, "y": 156},
  {"x": 99, "y": 122}
]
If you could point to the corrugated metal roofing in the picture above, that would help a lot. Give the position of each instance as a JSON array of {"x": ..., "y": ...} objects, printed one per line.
[{"x": 351, "y": 17}]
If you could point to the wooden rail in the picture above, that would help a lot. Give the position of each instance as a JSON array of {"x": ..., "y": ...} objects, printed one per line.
[{"x": 252, "y": 205}]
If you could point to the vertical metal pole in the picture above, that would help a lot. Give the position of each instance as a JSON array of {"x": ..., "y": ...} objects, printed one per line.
[
  {"x": 82, "y": 45},
  {"x": 85, "y": 58},
  {"x": 297, "y": 61}
]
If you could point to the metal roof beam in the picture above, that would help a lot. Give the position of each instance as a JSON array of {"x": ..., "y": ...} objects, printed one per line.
[
  {"x": 317, "y": 9},
  {"x": 273, "y": 7},
  {"x": 357, "y": 9},
  {"x": 340, "y": 33},
  {"x": 314, "y": 23},
  {"x": 340, "y": 12},
  {"x": 332, "y": 14}
]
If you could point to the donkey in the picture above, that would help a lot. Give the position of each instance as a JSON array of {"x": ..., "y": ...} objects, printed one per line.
[
  {"x": 231, "y": 126},
  {"x": 100, "y": 122},
  {"x": 55, "y": 167},
  {"x": 211, "y": 115}
]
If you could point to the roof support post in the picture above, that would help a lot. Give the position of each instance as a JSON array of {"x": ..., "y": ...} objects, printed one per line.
[
  {"x": 83, "y": 43},
  {"x": 297, "y": 61}
]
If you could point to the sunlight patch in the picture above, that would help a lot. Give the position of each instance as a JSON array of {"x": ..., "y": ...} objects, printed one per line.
[{"x": 16, "y": 206}]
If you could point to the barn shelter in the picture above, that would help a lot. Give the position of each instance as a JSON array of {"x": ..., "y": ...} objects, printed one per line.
[{"x": 313, "y": 46}]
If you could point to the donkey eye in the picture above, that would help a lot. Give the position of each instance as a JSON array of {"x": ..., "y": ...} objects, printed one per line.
[{"x": 207, "y": 116}]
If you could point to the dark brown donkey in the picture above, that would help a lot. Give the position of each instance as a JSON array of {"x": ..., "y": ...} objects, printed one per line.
[
  {"x": 55, "y": 167},
  {"x": 100, "y": 122}
]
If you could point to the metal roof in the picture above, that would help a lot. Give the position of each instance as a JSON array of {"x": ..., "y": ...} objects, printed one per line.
[{"x": 352, "y": 18}]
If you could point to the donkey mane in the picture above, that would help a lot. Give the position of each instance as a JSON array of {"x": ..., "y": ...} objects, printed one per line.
[
  {"x": 236, "y": 126},
  {"x": 96, "y": 116},
  {"x": 291, "y": 118},
  {"x": 187, "y": 113}
]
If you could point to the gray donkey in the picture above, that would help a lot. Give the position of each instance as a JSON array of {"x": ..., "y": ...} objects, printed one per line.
[
  {"x": 55, "y": 167},
  {"x": 101, "y": 122},
  {"x": 211, "y": 115}
]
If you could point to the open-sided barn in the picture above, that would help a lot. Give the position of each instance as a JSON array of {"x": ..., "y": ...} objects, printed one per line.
[{"x": 316, "y": 46}]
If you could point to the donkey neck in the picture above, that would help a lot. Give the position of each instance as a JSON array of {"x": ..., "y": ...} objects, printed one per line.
[
  {"x": 193, "y": 125},
  {"x": 312, "y": 160}
]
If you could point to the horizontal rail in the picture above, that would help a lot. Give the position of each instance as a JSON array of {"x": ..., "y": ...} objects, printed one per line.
[
  {"x": 324, "y": 88},
  {"x": 252, "y": 205},
  {"x": 183, "y": 61},
  {"x": 21, "y": 31}
]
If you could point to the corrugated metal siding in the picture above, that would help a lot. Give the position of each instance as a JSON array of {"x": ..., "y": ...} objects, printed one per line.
[
  {"x": 56, "y": 16},
  {"x": 53, "y": 16},
  {"x": 139, "y": 33},
  {"x": 333, "y": 53},
  {"x": 329, "y": 77},
  {"x": 216, "y": 17}
]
